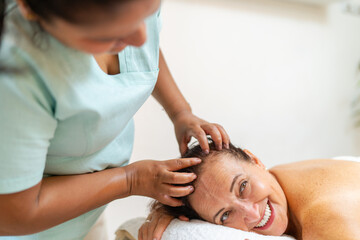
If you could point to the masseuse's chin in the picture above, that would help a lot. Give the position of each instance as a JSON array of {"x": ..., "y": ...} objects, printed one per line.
[
  {"x": 117, "y": 50},
  {"x": 100, "y": 51}
]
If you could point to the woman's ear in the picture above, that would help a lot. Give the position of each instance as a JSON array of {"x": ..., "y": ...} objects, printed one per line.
[
  {"x": 254, "y": 159},
  {"x": 26, "y": 11}
]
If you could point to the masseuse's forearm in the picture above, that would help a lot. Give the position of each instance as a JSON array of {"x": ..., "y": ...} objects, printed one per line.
[
  {"x": 167, "y": 93},
  {"x": 58, "y": 199}
]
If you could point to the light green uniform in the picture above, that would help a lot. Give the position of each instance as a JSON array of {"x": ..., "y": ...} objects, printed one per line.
[{"x": 61, "y": 114}]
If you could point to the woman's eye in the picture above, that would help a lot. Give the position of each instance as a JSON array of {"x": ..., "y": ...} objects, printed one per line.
[
  {"x": 224, "y": 217},
  {"x": 243, "y": 186}
]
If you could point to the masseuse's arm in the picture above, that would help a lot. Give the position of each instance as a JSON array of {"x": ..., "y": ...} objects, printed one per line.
[
  {"x": 186, "y": 124},
  {"x": 58, "y": 199}
]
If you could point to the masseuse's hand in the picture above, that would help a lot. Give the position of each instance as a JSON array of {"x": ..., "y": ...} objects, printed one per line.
[
  {"x": 188, "y": 125},
  {"x": 156, "y": 179}
]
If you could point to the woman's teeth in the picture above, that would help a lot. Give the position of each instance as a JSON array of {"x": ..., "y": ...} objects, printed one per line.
[{"x": 266, "y": 217}]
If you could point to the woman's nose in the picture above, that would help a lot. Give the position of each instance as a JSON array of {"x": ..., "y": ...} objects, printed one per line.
[
  {"x": 252, "y": 213},
  {"x": 138, "y": 38}
]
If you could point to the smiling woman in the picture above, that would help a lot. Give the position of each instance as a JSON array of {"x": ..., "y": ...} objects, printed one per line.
[
  {"x": 302, "y": 199},
  {"x": 234, "y": 189}
]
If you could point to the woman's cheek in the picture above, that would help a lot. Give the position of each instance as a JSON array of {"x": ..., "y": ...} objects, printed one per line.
[{"x": 260, "y": 186}]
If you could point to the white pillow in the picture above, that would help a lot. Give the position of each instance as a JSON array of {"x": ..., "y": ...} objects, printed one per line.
[{"x": 193, "y": 230}]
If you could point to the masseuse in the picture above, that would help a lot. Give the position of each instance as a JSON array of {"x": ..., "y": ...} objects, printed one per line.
[{"x": 73, "y": 75}]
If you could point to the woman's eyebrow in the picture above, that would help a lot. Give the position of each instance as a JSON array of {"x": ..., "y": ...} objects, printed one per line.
[
  {"x": 231, "y": 189},
  {"x": 233, "y": 182},
  {"x": 217, "y": 214}
]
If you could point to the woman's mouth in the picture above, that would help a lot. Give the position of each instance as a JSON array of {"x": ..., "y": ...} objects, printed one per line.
[{"x": 267, "y": 219}]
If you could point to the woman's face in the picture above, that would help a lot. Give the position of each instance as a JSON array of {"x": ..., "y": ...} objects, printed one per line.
[
  {"x": 240, "y": 195},
  {"x": 109, "y": 31}
]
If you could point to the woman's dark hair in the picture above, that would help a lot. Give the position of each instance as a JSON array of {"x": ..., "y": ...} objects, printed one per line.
[{"x": 196, "y": 151}]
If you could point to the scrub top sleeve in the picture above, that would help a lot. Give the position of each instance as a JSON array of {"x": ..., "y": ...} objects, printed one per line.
[
  {"x": 26, "y": 128},
  {"x": 159, "y": 19}
]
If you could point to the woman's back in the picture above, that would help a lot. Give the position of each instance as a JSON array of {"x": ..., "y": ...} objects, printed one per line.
[{"x": 323, "y": 198}]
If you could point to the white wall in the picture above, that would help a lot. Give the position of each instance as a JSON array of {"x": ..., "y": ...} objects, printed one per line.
[{"x": 279, "y": 76}]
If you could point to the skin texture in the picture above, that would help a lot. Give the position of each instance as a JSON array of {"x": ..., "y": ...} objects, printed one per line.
[
  {"x": 313, "y": 200},
  {"x": 55, "y": 200}
]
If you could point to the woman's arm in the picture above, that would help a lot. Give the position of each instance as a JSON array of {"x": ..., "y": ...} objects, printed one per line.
[
  {"x": 179, "y": 111},
  {"x": 58, "y": 199}
]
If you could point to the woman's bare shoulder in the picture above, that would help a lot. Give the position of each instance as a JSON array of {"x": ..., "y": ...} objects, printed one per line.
[
  {"x": 317, "y": 176},
  {"x": 313, "y": 164},
  {"x": 324, "y": 195},
  {"x": 326, "y": 220}
]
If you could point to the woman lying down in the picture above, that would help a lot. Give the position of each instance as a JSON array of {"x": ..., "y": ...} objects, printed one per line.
[{"x": 314, "y": 199}]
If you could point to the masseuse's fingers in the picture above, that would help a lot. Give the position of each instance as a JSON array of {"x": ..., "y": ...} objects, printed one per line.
[
  {"x": 200, "y": 135},
  {"x": 167, "y": 200},
  {"x": 217, "y": 133},
  {"x": 177, "y": 191},
  {"x": 177, "y": 164},
  {"x": 214, "y": 132},
  {"x": 184, "y": 144},
  {"x": 178, "y": 177},
  {"x": 224, "y": 135}
]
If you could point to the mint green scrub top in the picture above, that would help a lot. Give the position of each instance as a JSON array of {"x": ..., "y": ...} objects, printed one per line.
[{"x": 60, "y": 114}]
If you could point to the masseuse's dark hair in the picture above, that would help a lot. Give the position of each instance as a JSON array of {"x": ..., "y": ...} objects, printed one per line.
[
  {"x": 2, "y": 16},
  {"x": 196, "y": 151},
  {"x": 65, "y": 9}
]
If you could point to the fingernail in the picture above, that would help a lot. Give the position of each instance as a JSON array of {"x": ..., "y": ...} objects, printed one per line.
[
  {"x": 197, "y": 160},
  {"x": 206, "y": 151},
  {"x": 227, "y": 146},
  {"x": 191, "y": 188},
  {"x": 194, "y": 176}
]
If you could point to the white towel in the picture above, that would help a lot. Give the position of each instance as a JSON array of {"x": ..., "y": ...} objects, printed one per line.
[
  {"x": 348, "y": 158},
  {"x": 200, "y": 230},
  {"x": 193, "y": 230}
]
